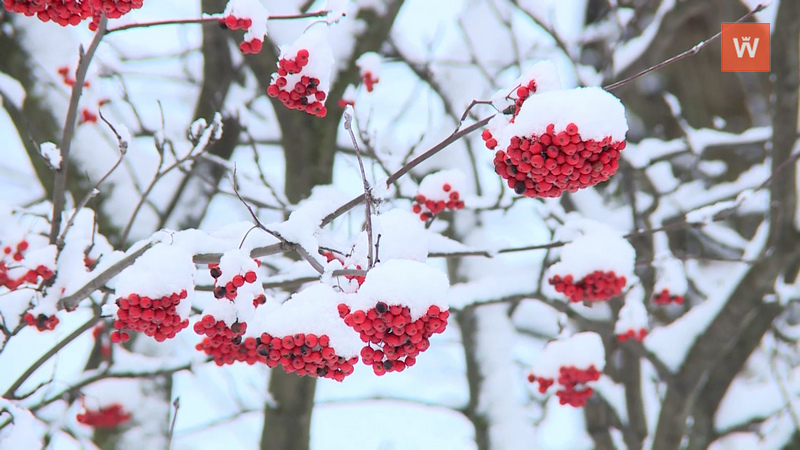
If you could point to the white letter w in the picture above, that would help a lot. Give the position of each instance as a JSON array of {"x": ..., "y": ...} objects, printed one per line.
[{"x": 751, "y": 50}]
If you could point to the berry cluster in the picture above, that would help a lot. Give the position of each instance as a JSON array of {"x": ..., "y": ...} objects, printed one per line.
[
  {"x": 637, "y": 336},
  {"x": 359, "y": 278},
  {"x": 304, "y": 94},
  {"x": 305, "y": 354},
  {"x": 72, "y": 12},
  {"x": 427, "y": 208},
  {"x": 41, "y": 322},
  {"x": 231, "y": 22},
  {"x": 15, "y": 254},
  {"x": 554, "y": 162},
  {"x": 110, "y": 417},
  {"x": 229, "y": 289},
  {"x": 156, "y": 318},
  {"x": 598, "y": 286},
  {"x": 665, "y": 298},
  {"x": 88, "y": 116},
  {"x": 399, "y": 338},
  {"x": 570, "y": 380},
  {"x": 224, "y": 343}
]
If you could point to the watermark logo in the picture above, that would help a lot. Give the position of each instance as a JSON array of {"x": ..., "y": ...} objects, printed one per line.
[{"x": 745, "y": 47}]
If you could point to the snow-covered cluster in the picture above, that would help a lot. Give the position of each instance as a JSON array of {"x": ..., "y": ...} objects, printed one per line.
[
  {"x": 369, "y": 67},
  {"x": 72, "y": 12},
  {"x": 572, "y": 364},
  {"x": 671, "y": 284},
  {"x": 303, "y": 80},
  {"x": 632, "y": 320},
  {"x": 552, "y": 140},
  {"x": 439, "y": 191},
  {"x": 250, "y": 16}
]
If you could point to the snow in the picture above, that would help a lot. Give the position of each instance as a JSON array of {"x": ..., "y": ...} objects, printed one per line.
[
  {"x": 580, "y": 350},
  {"x": 51, "y": 154},
  {"x": 633, "y": 314},
  {"x": 25, "y": 431},
  {"x": 670, "y": 275},
  {"x": 12, "y": 90},
  {"x": 312, "y": 310},
  {"x": 597, "y": 114},
  {"x": 161, "y": 271},
  {"x": 402, "y": 282},
  {"x": 596, "y": 250},
  {"x": 370, "y": 62},
  {"x": 403, "y": 236}
]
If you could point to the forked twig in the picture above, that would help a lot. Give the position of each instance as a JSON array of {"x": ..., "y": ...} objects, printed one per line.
[{"x": 348, "y": 125}]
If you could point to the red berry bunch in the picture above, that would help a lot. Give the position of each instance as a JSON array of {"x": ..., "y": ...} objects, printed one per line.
[
  {"x": 554, "y": 162},
  {"x": 305, "y": 354},
  {"x": 665, "y": 298},
  {"x": 224, "y": 343},
  {"x": 369, "y": 81},
  {"x": 570, "y": 380},
  {"x": 16, "y": 254},
  {"x": 427, "y": 208},
  {"x": 156, "y": 318},
  {"x": 42, "y": 322},
  {"x": 88, "y": 116},
  {"x": 229, "y": 289},
  {"x": 109, "y": 417},
  {"x": 295, "y": 90},
  {"x": 72, "y": 12},
  {"x": 399, "y": 339},
  {"x": 637, "y": 336},
  {"x": 359, "y": 278},
  {"x": 231, "y": 22},
  {"x": 598, "y": 286},
  {"x": 523, "y": 92},
  {"x": 67, "y": 78}
]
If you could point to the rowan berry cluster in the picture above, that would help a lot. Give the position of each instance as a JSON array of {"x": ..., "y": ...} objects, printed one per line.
[
  {"x": 554, "y": 162},
  {"x": 369, "y": 81},
  {"x": 229, "y": 289},
  {"x": 399, "y": 339},
  {"x": 224, "y": 343},
  {"x": 597, "y": 286},
  {"x": 665, "y": 298},
  {"x": 12, "y": 256},
  {"x": 572, "y": 384},
  {"x": 295, "y": 90},
  {"x": 42, "y": 322},
  {"x": 231, "y": 22},
  {"x": 633, "y": 335},
  {"x": 156, "y": 318},
  {"x": 306, "y": 355},
  {"x": 523, "y": 92},
  {"x": 428, "y": 208},
  {"x": 67, "y": 79},
  {"x": 72, "y": 12},
  {"x": 109, "y": 417}
]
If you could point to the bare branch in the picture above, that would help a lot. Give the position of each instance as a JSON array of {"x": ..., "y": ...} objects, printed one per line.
[{"x": 348, "y": 125}]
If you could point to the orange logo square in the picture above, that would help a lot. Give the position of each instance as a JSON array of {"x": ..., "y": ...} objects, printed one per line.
[{"x": 745, "y": 47}]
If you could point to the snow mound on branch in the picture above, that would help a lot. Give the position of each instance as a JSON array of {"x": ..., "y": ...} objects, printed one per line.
[
  {"x": 312, "y": 310},
  {"x": 596, "y": 113},
  {"x": 670, "y": 275},
  {"x": 580, "y": 350},
  {"x": 51, "y": 154},
  {"x": 403, "y": 236},
  {"x": 597, "y": 250},
  {"x": 160, "y": 271},
  {"x": 402, "y": 282},
  {"x": 370, "y": 62},
  {"x": 103, "y": 393},
  {"x": 633, "y": 314},
  {"x": 431, "y": 185},
  {"x": 25, "y": 431}
]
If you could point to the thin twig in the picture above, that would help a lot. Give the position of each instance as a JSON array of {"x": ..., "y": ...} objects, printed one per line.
[
  {"x": 176, "y": 405},
  {"x": 212, "y": 19},
  {"x": 348, "y": 125},
  {"x": 60, "y": 183},
  {"x": 691, "y": 51}
]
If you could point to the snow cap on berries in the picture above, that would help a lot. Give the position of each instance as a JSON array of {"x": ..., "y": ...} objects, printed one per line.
[
  {"x": 632, "y": 321},
  {"x": 432, "y": 185},
  {"x": 369, "y": 66},
  {"x": 161, "y": 271},
  {"x": 597, "y": 114},
  {"x": 597, "y": 250},
  {"x": 312, "y": 310},
  {"x": 670, "y": 275},
  {"x": 580, "y": 350},
  {"x": 402, "y": 282}
]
